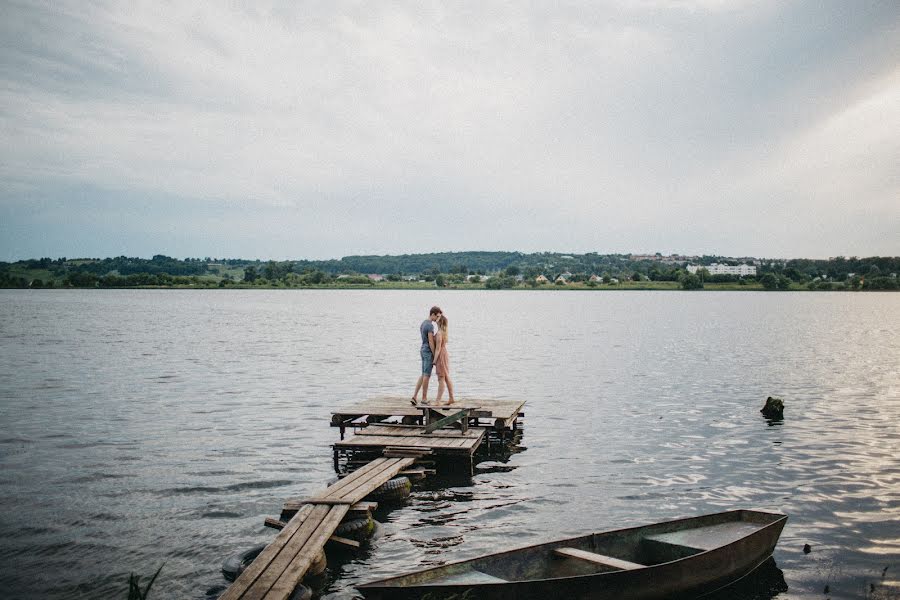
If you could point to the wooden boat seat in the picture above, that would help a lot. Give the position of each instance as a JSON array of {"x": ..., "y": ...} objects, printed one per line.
[
  {"x": 709, "y": 537},
  {"x": 600, "y": 559}
]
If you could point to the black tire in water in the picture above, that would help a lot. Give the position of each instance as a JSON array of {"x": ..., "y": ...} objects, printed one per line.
[
  {"x": 356, "y": 529},
  {"x": 235, "y": 564},
  {"x": 397, "y": 488}
]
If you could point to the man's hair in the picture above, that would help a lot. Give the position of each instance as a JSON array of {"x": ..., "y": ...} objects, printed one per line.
[{"x": 435, "y": 310}]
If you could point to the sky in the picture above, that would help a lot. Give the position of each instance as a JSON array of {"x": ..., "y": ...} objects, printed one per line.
[{"x": 291, "y": 130}]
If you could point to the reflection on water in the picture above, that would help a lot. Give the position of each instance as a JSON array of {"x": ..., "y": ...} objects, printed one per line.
[
  {"x": 142, "y": 427},
  {"x": 764, "y": 583}
]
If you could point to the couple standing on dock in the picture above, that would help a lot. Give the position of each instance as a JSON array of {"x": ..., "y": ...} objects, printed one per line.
[{"x": 434, "y": 355}]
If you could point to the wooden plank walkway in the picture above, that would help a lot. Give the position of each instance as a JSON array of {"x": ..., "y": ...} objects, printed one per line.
[{"x": 277, "y": 571}]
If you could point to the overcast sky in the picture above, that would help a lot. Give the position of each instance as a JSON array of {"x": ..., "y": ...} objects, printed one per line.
[{"x": 319, "y": 130}]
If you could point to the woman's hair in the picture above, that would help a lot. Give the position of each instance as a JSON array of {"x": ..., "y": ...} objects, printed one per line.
[{"x": 442, "y": 325}]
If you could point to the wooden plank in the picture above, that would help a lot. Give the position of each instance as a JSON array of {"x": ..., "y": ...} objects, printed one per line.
[
  {"x": 401, "y": 454},
  {"x": 291, "y": 576},
  {"x": 336, "y": 539},
  {"x": 418, "y": 451},
  {"x": 246, "y": 579},
  {"x": 363, "y": 491},
  {"x": 329, "y": 501},
  {"x": 354, "y": 483},
  {"x": 377, "y": 429},
  {"x": 433, "y": 426},
  {"x": 274, "y": 523},
  {"x": 365, "y": 488},
  {"x": 382, "y": 431},
  {"x": 334, "y": 490},
  {"x": 412, "y": 472},
  {"x": 600, "y": 559}
]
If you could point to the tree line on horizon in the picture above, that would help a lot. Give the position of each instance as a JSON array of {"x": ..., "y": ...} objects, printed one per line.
[{"x": 501, "y": 269}]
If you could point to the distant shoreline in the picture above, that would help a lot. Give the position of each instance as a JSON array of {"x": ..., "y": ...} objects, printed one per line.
[
  {"x": 462, "y": 270},
  {"x": 663, "y": 286}
]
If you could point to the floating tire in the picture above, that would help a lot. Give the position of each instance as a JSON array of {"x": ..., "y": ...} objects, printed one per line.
[
  {"x": 396, "y": 489},
  {"x": 356, "y": 529},
  {"x": 235, "y": 564}
]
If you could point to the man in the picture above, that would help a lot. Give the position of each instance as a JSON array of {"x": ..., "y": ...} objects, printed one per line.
[{"x": 426, "y": 330}]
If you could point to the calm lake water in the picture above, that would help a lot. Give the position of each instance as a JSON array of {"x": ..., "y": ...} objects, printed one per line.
[{"x": 147, "y": 427}]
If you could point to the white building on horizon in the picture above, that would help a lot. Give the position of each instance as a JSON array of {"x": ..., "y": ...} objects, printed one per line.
[{"x": 717, "y": 269}]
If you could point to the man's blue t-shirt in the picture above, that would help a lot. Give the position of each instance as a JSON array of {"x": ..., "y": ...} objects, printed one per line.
[{"x": 425, "y": 328}]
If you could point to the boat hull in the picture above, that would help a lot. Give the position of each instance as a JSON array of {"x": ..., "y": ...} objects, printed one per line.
[{"x": 718, "y": 550}]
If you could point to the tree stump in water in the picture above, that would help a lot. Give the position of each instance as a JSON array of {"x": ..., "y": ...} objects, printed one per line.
[{"x": 774, "y": 408}]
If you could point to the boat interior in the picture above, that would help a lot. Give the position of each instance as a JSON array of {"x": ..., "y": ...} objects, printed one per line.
[{"x": 607, "y": 552}]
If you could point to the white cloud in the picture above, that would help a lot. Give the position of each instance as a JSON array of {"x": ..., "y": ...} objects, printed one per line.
[{"x": 631, "y": 119}]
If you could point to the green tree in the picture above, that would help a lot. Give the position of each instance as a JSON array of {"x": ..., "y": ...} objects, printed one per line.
[
  {"x": 250, "y": 274},
  {"x": 81, "y": 279},
  {"x": 769, "y": 281},
  {"x": 512, "y": 271},
  {"x": 315, "y": 278},
  {"x": 499, "y": 283},
  {"x": 691, "y": 281},
  {"x": 440, "y": 281}
]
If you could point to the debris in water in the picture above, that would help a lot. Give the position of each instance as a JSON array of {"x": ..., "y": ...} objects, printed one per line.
[{"x": 774, "y": 408}]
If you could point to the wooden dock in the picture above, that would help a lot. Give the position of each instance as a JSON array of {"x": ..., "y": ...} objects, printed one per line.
[
  {"x": 502, "y": 413},
  {"x": 450, "y": 433}
]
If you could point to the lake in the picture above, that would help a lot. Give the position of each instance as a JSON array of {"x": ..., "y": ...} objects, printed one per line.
[{"x": 142, "y": 427}]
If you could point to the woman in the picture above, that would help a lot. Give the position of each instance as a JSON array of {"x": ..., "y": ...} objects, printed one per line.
[{"x": 442, "y": 360}]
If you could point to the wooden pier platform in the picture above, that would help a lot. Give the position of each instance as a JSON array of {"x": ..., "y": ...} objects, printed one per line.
[{"x": 502, "y": 412}]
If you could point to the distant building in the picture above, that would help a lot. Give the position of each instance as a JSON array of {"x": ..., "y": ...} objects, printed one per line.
[
  {"x": 743, "y": 270},
  {"x": 562, "y": 279},
  {"x": 375, "y": 277},
  {"x": 541, "y": 279},
  {"x": 595, "y": 279}
]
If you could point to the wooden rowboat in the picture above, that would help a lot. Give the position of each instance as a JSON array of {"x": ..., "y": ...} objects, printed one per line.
[{"x": 684, "y": 558}]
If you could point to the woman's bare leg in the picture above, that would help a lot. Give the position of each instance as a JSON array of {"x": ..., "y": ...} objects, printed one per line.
[
  {"x": 449, "y": 388},
  {"x": 440, "y": 388}
]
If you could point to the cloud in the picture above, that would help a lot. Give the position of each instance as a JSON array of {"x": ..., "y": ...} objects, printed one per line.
[{"x": 355, "y": 128}]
